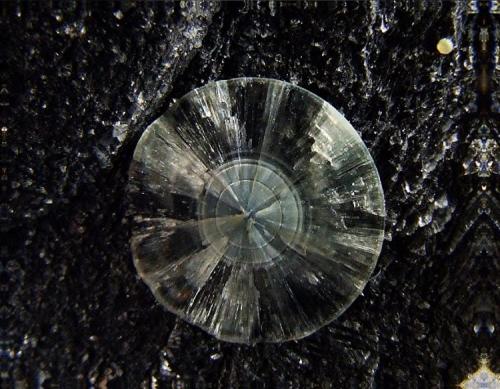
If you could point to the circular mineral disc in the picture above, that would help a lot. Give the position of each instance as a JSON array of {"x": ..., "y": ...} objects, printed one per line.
[{"x": 259, "y": 213}]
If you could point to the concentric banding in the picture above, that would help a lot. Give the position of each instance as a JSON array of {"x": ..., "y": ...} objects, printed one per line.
[
  {"x": 257, "y": 202},
  {"x": 259, "y": 211}
]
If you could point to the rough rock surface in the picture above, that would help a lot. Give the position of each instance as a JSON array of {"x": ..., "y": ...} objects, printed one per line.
[{"x": 81, "y": 83}]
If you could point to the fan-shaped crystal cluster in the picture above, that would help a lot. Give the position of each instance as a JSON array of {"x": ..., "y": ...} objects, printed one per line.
[{"x": 259, "y": 211}]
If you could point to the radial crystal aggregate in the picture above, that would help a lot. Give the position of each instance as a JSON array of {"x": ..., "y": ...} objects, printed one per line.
[{"x": 259, "y": 212}]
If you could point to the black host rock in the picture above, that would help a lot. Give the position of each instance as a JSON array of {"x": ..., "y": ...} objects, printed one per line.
[{"x": 81, "y": 82}]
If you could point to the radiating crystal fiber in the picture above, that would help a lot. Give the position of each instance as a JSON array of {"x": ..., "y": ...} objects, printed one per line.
[{"x": 259, "y": 211}]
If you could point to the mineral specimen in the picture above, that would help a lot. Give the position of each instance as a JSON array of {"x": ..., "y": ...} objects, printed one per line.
[{"x": 259, "y": 211}]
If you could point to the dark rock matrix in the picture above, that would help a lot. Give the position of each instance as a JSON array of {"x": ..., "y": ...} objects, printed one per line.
[{"x": 79, "y": 83}]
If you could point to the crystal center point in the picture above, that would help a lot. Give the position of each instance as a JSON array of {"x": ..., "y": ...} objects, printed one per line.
[{"x": 250, "y": 211}]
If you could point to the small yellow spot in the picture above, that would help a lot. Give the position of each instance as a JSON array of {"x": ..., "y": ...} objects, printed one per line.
[{"x": 445, "y": 46}]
